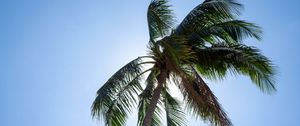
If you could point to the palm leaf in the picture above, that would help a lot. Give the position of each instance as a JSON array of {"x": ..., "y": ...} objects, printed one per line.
[
  {"x": 144, "y": 101},
  {"x": 201, "y": 101},
  {"x": 175, "y": 115},
  {"x": 160, "y": 19},
  {"x": 118, "y": 95},
  {"x": 232, "y": 31},
  {"x": 208, "y": 13},
  {"x": 217, "y": 60}
]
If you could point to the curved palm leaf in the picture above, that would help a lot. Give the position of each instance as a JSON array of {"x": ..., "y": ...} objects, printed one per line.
[
  {"x": 217, "y": 60},
  {"x": 160, "y": 19},
  {"x": 233, "y": 31},
  {"x": 207, "y": 13},
  {"x": 118, "y": 95}
]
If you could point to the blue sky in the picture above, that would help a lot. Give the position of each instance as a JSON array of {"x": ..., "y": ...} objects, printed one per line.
[{"x": 55, "y": 54}]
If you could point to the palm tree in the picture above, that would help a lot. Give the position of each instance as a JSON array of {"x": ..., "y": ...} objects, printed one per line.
[{"x": 207, "y": 44}]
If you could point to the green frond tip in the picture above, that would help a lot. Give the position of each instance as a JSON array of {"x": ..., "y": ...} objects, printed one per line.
[
  {"x": 239, "y": 30},
  {"x": 237, "y": 59},
  {"x": 224, "y": 6},
  {"x": 208, "y": 13},
  {"x": 160, "y": 19}
]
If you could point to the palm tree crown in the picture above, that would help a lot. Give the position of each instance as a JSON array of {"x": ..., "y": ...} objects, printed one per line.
[{"x": 208, "y": 44}]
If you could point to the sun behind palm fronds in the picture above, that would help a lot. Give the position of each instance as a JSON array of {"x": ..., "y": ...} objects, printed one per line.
[{"x": 208, "y": 44}]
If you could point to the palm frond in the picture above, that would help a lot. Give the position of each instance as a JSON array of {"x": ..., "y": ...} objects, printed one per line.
[
  {"x": 119, "y": 94},
  {"x": 208, "y": 13},
  {"x": 142, "y": 108},
  {"x": 217, "y": 60},
  {"x": 160, "y": 19},
  {"x": 232, "y": 31},
  {"x": 175, "y": 115},
  {"x": 201, "y": 101},
  {"x": 144, "y": 101}
]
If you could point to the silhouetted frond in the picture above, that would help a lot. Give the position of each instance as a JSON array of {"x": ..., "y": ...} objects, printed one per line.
[
  {"x": 118, "y": 95},
  {"x": 219, "y": 59},
  {"x": 160, "y": 19},
  {"x": 208, "y": 13},
  {"x": 233, "y": 31}
]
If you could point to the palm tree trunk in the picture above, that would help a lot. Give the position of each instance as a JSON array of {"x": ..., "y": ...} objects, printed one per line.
[{"x": 156, "y": 95}]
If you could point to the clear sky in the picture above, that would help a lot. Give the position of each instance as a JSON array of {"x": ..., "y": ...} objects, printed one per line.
[{"x": 55, "y": 54}]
